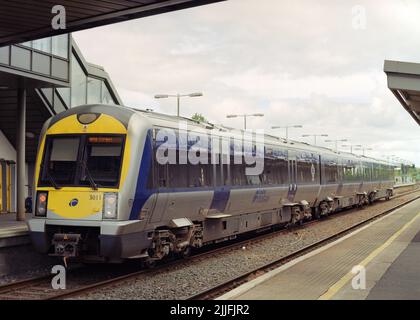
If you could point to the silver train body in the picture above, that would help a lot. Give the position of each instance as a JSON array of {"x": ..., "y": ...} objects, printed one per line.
[{"x": 165, "y": 209}]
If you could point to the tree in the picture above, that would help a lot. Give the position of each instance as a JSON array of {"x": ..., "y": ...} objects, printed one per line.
[{"x": 199, "y": 117}]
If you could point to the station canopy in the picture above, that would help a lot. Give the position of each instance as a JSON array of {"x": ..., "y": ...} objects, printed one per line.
[
  {"x": 404, "y": 82},
  {"x": 24, "y": 20}
]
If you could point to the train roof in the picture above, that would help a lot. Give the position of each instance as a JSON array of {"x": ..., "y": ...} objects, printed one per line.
[
  {"x": 161, "y": 119},
  {"x": 124, "y": 113}
]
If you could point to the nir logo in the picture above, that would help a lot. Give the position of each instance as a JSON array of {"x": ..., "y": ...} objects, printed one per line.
[{"x": 73, "y": 203}]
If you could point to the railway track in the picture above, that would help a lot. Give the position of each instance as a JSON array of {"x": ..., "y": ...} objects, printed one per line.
[
  {"x": 40, "y": 288},
  {"x": 218, "y": 290}
]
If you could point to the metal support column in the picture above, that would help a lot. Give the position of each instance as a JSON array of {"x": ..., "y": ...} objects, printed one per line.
[{"x": 20, "y": 154}]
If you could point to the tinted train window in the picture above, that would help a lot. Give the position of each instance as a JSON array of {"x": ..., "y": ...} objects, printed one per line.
[
  {"x": 275, "y": 172},
  {"x": 103, "y": 161},
  {"x": 367, "y": 171},
  {"x": 61, "y": 160},
  {"x": 330, "y": 170},
  {"x": 253, "y": 180},
  {"x": 307, "y": 169},
  {"x": 237, "y": 173}
]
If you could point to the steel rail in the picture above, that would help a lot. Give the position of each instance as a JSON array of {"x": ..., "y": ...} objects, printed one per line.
[{"x": 9, "y": 291}]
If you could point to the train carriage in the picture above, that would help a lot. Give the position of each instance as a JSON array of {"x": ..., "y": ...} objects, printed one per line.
[{"x": 102, "y": 192}]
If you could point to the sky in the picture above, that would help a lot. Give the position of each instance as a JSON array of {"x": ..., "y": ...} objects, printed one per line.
[{"x": 318, "y": 64}]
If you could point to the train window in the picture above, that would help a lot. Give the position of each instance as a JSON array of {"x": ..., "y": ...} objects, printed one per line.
[
  {"x": 226, "y": 174},
  {"x": 61, "y": 160},
  {"x": 178, "y": 176},
  {"x": 271, "y": 172},
  {"x": 253, "y": 180},
  {"x": 237, "y": 173},
  {"x": 330, "y": 170},
  {"x": 349, "y": 171},
  {"x": 275, "y": 167},
  {"x": 103, "y": 161},
  {"x": 196, "y": 177},
  {"x": 307, "y": 169},
  {"x": 366, "y": 171},
  {"x": 161, "y": 177}
]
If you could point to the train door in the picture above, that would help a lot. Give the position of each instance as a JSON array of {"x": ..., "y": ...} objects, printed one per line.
[
  {"x": 160, "y": 199},
  {"x": 292, "y": 171}
]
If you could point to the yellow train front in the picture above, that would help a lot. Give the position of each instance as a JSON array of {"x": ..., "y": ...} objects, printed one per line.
[{"x": 84, "y": 181}]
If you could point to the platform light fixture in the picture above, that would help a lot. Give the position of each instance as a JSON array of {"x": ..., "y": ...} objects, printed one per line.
[
  {"x": 351, "y": 146},
  {"x": 287, "y": 129},
  {"x": 229, "y": 116},
  {"x": 314, "y": 136},
  {"x": 178, "y": 98},
  {"x": 336, "y": 141},
  {"x": 363, "y": 150}
]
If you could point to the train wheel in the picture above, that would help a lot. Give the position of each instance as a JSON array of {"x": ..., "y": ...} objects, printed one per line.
[
  {"x": 317, "y": 214},
  {"x": 186, "y": 252},
  {"x": 148, "y": 263}
]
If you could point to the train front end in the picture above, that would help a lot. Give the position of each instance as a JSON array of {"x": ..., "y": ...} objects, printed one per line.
[{"x": 82, "y": 163}]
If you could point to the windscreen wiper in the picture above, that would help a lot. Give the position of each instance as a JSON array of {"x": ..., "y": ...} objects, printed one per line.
[
  {"x": 92, "y": 182},
  {"x": 50, "y": 178}
]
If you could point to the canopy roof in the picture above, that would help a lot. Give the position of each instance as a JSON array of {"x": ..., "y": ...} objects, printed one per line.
[
  {"x": 24, "y": 20},
  {"x": 404, "y": 82}
]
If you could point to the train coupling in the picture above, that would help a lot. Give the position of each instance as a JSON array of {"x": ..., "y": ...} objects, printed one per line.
[{"x": 66, "y": 245}]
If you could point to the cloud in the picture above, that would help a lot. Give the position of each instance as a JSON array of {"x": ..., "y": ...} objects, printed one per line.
[{"x": 300, "y": 62}]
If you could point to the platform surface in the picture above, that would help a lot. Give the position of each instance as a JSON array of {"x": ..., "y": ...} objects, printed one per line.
[
  {"x": 12, "y": 232},
  {"x": 387, "y": 252}
]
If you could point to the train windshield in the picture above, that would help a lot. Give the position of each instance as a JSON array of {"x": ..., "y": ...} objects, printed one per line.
[
  {"x": 84, "y": 160},
  {"x": 102, "y": 161}
]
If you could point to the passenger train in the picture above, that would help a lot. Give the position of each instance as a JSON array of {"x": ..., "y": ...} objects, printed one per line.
[{"x": 101, "y": 194}]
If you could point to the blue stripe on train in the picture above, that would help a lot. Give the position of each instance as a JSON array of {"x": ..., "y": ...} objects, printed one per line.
[
  {"x": 220, "y": 199},
  {"x": 142, "y": 193}
]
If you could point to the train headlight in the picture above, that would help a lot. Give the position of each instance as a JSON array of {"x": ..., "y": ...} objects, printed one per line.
[
  {"x": 110, "y": 205},
  {"x": 41, "y": 204}
]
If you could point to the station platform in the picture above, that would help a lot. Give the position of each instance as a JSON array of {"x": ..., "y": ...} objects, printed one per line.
[
  {"x": 12, "y": 232},
  {"x": 378, "y": 261}
]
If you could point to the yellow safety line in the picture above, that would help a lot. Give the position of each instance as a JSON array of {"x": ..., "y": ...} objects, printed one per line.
[{"x": 342, "y": 282}]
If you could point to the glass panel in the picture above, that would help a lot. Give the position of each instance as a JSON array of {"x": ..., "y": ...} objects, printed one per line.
[
  {"x": 60, "y": 68},
  {"x": 48, "y": 93},
  {"x": 103, "y": 161},
  {"x": 27, "y": 44},
  {"x": 62, "y": 161},
  {"x": 65, "y": 95},
  {"x": 78, "y": 84},
  {"x": 106, "y": 96},
  {"x": 58, "y": 105},
  {"x": 60, "y": 45},
  {"x": 42, "y": 45},
  {"x": 94, "y": 90},
  {"x": 4, "y": 55},
  {"x": 41, "y": 63},
  {"x": 21, "y": 58}
]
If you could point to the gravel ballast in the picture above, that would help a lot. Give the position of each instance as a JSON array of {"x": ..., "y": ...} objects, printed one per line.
[{"x": 191, "y": 277}]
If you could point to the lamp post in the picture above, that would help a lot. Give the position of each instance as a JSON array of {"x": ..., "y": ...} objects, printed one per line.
[
  {"x": 315, "y": 136},
  {"x": 178, "y": 98},
  {"x": 336, "y": 141},
  {"x": 245, "y": 116},
  {"x": 363, "y": 150},
  {"x": 287, "y": 129},
  {"x": 351, "y": 146}
]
